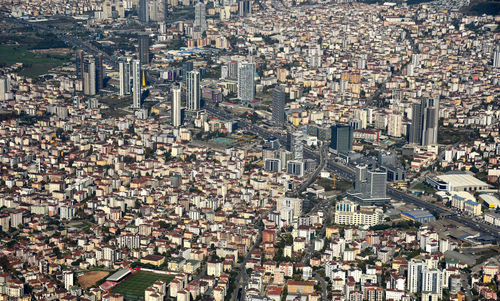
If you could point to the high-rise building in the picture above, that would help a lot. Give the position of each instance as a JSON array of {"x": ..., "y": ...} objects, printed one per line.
[
  {"x": 244, "y": 8},
  {"x": 186, "y": 67},
  {"x": 79, "y": 64},
  {"x": 4, "y": 87},
  {"x": 233, "y": 70},
  {"x": 144, "y": 48},
  {"x": 395, "y": 125},
  {"x": 297, "y": 146},
  {"x": 432, "y": 281},
  {"x": 124, "y": 66},
  {"x": 246, "y": 82},
  {"x": 193, "y": 91},
  {"x": 136, "y": 84},
  {"x": 99, "y": 72},
  {"x": 200, "y": 21},
  {"x": 143, "y": 11},
  {"x": 89, "y": 76},
  {"x": 496, "y": 57},
  {"x": 68, "y": 278},
  {"x": 279, "y": 105},
  {"x": 414, "y": 281},
  {"x": 424, "y": 126},
  {"x": 370, "y": 185},
  {"x": 341, "y": 138},
  {"x": 295, "y": 167},
  {"x": 176, "y": 107},
  {"x": 376, "y": 180},
  {"x": 158, "y": 10}
]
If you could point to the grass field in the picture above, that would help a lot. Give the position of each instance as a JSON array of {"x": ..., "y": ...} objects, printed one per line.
[
  {"x": 35, "y": 64},
  {"x": 91, "y": 278},
  {"x": 133, "y": 287}
]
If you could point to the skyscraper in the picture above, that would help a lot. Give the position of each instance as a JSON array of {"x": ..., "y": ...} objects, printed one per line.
[
  {"x": 432, "y": 281},
  {"x": 424, "y": 126},
  {"x": 246, "y": 82},
  {"x": 176, "y": 106},
  {"x": 4, "y": 87},
  {"x": 143, "y": 11},
  {"x": 496, "y": 57},
  {"x": 144, "y": 48},
  {"x": 279, "y": 105},
  {"x": 89, "y": 76},
  {"x": 79, "y": 64},
  {"x": 158, "y": 10},
  {"x": 370, "y": 184},
  {"x": 193, "y": 91},
  {"x": 200, "y": 21},
  {"x": 99, "y": 72},
  {"x": 186, "y": 67},
  {"x": 124, "y": 66},
  {"x": 136, "y": 84},
  {"x": 297, "y": 146},
  {"x": 341, "y": 138}
]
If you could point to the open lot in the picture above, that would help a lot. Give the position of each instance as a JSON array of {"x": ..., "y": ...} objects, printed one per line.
[
  {"x": 91, "y": 278},
  {"x": 134, "y": 286}
]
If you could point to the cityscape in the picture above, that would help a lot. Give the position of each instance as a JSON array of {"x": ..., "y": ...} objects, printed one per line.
[{"x": 250, "y": 150}]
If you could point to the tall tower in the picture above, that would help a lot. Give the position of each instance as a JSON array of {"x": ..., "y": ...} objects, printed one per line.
[
  {"x": 496, "y": 57},
  {"x": 124, "y": 66},
  {"x": 244, "y": 8},
  {"x": 279, "y": 105},
  {"x": 89, "y": 76},
  {"x": 79, "y": 64},
  {"x": 297, "y": 146},
  {"x": 99, "y": 72},
  {"x": 176, "y": 106},
  {"x": 4, "y": 87},
  {"x": 193, "y": 91},
  {"x": 200, "y": 21},
  {"x": 136, "y": 84},
  {"x": 143, "y": 48},
  {"x": 425, "y": 118},
  {"x": 143, "y": 11},
  {"x": 246, "y": 83}
]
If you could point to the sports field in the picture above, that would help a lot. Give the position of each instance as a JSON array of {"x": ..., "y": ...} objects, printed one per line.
[{"x": 134, "y": 286}]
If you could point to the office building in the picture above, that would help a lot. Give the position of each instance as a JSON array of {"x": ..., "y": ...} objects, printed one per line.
[
  {"x": 143, "y": 11},
  {"x": 369, "y": 185},
  {"x": 297, "y": 146},
  {"x": 176, "y": 107},
  {"x": 200, "y": 21},
  {"x": 4, "y": 88},
  {"x": 233, "y": 70},
  {"x": 424, "y": 126},
  {"x": 186, "y": 67},
  {"x": 158, "y": 10},
  {"x": 245, "y": 8},
  {"x": 341, "y": 138},
  {"x": 496, "y": 57},
  {"x": 136, "y": 84},
  {"x": 89, "y": 76},
  {"x": 272, "y": 164},
  {"x": 79, "y": 64},
  {"x": 246, "y": 82},
  {"x": 124, "y": 68},
  {"x": 113, "y": 9},
  {"x": 278, "y": 105},
  {"x": 99, "y": 72},
  {"x": 144, "y": 48},
  {"x": 295, "y": 168},
  {"x": 193, "y": 91}
]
